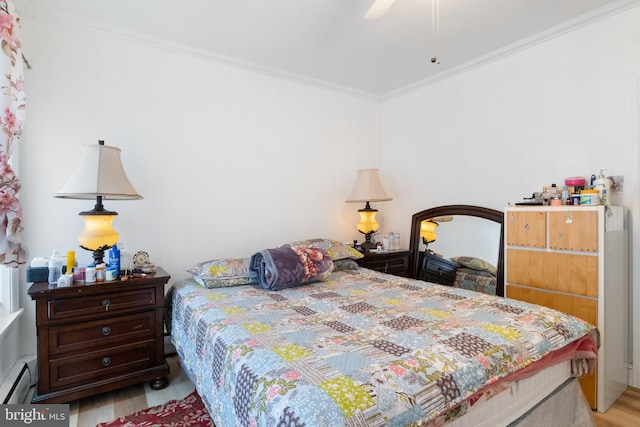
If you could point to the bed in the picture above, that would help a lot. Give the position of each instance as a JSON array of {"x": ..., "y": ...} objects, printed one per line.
[
  {"x": 365, "y": 348},
  {"x": 475, "y": 280}
]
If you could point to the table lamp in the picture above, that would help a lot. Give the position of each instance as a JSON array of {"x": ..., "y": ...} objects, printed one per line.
[
  {"x": 99, "y": 175},
  {"x": 366, "y": 189},
  {"x": 428, "y": 231}
]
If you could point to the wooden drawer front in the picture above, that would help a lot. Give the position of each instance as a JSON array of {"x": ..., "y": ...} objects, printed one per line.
[
  {"x": 397, "y": 265},
  {"x": 101, "y": 365},
  {"x": 98, "y": 334},
  {"x": 574, "y": 231},
  {"x": 528, "y": 229},
  {"x": 100, "y": 303},
  {"x": 568, "y": 273},
  {"x": 439, "y": 267},
  {"x": 584, "y": 308}
]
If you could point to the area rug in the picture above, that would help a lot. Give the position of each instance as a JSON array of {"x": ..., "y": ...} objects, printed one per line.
[{"x": 189, "y": 411}]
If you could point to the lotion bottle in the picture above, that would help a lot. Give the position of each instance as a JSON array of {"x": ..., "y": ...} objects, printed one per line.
[
  {"x": 603, "y": 185},
  {"x": 55, "y": 268}
]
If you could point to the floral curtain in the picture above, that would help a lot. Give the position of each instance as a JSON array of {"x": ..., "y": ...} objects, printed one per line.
[{"x": 12, "y": 113}]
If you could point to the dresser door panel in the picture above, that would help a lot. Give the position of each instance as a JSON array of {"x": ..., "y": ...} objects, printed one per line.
[
  {"x": 527, "y": 229},
  {"x": 570, "y": 273},
  {"x": 584, "y": 308},
  {"x": 573, "y": 231}
]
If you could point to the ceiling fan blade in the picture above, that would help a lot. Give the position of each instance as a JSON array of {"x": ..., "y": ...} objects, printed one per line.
[
  {"x": 441, "y": 219},
  {"x": 378, "y": 9}
]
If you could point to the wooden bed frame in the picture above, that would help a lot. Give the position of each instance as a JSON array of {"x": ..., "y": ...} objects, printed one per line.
[{"x": 469, "y": 210}]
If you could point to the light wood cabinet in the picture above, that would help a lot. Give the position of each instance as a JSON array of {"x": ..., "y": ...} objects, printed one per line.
[{"x": 574, "y": 259}]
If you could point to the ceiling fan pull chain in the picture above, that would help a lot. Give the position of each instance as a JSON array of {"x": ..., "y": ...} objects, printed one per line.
[{"x": 435, "y": 29}]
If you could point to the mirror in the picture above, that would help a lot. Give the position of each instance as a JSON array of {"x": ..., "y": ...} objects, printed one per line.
[
  {"x": 467, "y": 236},
  {"x": 471, "y": 231}
]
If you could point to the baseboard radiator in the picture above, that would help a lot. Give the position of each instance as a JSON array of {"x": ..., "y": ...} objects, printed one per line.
[{"x": 22, "y": 376}]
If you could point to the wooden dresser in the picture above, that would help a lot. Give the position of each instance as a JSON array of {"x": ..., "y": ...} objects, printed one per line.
[
  {"x": 98, "y": 337},
  {"x": 574, "y": 259},
  {"x": 392, "y": 261}
]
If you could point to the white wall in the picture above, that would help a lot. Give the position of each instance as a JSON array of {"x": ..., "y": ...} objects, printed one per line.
[
  {"x": 496, "y": 134},
  {"x": 229, "y": 162}
]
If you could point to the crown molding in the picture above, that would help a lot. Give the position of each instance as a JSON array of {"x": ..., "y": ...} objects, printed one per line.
[
  {"x": 521, "y": 45},
  {"x": 184, "y": 49},
  {"x": 167, "y": 45}
]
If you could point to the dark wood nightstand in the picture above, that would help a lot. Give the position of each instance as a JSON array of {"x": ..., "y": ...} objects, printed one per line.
[
  {"x": 393, "y": 261},
  {"x": 436, "y": 269},
  {"x": 99, "y": 337}
]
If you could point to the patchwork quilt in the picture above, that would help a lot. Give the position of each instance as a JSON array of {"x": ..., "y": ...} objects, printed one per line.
[{"x": 361, "y": 348}]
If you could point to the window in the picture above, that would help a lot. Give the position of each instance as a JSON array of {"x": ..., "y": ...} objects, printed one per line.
[{"x": 9, "y": 297}]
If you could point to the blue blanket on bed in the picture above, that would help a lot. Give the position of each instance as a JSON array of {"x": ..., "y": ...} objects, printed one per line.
[{"x": 285, "y": 267}]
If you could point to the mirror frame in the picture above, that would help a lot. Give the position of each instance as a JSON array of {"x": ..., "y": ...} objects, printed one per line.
[{"x": 469, "y": 210}]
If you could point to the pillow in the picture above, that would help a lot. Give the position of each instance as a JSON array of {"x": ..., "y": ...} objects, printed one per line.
[
  {"x": 223, "y": 272},
  {"x": 290, "y": 266},
  {"x": 475, "y": 263},
  {"x": 475, "y": 272},
  {"x": 345, "y": 264},
  {"x": 336, "y": 250}
]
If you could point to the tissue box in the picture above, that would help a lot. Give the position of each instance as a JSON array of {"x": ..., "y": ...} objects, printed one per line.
[{"x": 37, "y": 274}]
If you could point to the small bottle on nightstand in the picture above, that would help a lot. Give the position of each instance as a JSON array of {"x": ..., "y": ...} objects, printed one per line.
[{"x": 55, "y": 268}]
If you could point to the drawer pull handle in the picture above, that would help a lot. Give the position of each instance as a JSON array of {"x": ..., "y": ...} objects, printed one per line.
[
  {"x": 105, "y": 304},
  {"x": 106, "y": 330},
  {"x": 106, "y": 361}
]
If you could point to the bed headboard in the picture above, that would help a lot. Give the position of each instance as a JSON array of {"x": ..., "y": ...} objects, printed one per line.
[{"x": 469, "y": 210}]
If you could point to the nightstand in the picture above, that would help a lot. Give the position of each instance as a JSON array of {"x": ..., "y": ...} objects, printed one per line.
[
  {"x": 437, "y": 269},
  {"x": 392, "y": 261},
  {"x": 98, "y": 337}
]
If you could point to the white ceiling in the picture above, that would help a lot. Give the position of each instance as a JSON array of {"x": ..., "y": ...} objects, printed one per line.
[{"x": 328, "y": 41}]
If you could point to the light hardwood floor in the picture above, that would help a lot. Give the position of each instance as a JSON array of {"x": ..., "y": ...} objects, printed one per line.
[
  {"x": 88, "y": 412},
  {"x": 625, "y": 412},
  {"x": 104, "y": 407}
]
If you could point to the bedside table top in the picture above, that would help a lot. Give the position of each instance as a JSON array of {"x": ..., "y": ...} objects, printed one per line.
[
  {"x": 388, "y": 252},
  {"x": 42, "y": 289}
]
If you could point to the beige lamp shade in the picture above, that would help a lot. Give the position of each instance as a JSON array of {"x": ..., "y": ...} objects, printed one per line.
[
  {"x": 99, "y": 173},
  {"x": 368, "y": 188},
  {"x": 428, "y": 231},
  {"x": 98, "y": 232}
]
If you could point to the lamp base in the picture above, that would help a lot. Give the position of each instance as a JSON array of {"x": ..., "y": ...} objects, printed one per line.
[
  {"x": 98, "y": 254},
  {"x": 368, "y": 247}
]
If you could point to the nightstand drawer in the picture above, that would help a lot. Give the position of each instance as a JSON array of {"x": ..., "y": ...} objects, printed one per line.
[
  {"x": 439, "y": 268},
  {"x": 97, "y": 334},
  {"x": 101, "y": 304},
  {"x": 98, "y": 365},
  {"x": 391, "y": 265},
  {"x": 392, "y": 262}
]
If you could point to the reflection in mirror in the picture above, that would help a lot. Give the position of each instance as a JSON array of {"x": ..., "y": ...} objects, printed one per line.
[
  {"x": 467, "y": 236},
  {"x": 463, "y": 231}
]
